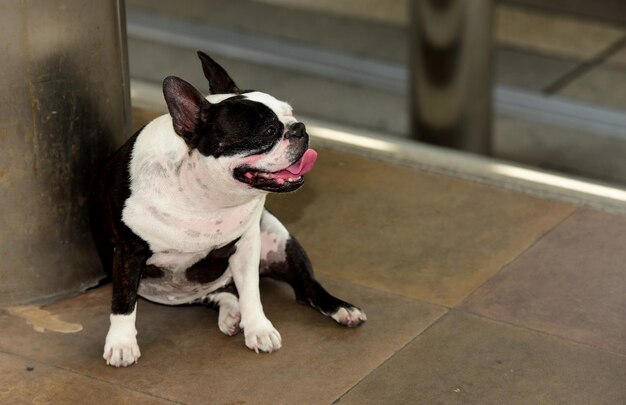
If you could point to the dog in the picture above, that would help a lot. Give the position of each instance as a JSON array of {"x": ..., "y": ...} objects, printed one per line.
[{"x": 178, "y": 213}]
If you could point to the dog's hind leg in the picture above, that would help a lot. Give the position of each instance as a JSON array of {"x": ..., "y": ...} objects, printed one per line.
[
  {"x": 284, "y": 259},
  {"x": 227, "y": 301}
]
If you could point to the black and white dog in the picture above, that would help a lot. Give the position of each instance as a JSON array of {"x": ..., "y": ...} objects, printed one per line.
[{"x": 178, "y": 213}]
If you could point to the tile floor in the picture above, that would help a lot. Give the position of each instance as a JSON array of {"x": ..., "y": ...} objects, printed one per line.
[{"x": 474, "y": 295}]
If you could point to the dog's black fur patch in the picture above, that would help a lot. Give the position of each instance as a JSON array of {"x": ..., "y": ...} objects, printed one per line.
[
  {"x": 220, "y": 81},
  {"x": 213, "y": 265}
]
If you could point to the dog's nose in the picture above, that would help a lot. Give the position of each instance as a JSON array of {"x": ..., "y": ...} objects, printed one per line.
[{"x": 296, "y": 130}]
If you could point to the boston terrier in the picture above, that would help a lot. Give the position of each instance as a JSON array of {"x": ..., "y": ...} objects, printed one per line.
[{"x": 178, "y": 213}]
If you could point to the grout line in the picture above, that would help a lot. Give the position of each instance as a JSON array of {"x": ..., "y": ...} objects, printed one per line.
[
  {"x": 411, "y": 340},
  {"x": 517, "y": 256},
  {"x": 541, "y": 332},
  {"x": 584, "y": 67},
  {"x": 67, "y": 370}
]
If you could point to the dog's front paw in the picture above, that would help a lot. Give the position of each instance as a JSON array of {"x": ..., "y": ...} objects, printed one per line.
[
  {"x": 262, "y": 336},
  {"x": 349, "y": 316},
  {"x": 120, "y": 346},
  {"x": 121, "y": 350}
]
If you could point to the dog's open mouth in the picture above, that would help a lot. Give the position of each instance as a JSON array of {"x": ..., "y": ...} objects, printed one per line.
[{"x": 287, "y": 179}]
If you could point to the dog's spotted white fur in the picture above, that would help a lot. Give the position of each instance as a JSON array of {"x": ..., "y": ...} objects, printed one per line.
[
  {"x": 120, "y": 347},
  {"x": 274, "y": 237},
  {"x": 203, "y": 216}
]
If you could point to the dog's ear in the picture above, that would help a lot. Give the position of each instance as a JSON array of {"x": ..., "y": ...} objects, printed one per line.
[
  {"x": 219, "y": 81},
  {"x": 186, "y": 105}
]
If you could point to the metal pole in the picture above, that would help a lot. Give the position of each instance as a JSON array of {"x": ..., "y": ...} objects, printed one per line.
[
  {"x": 64, "y": 106},
  {"x": 451, "y": 73}
]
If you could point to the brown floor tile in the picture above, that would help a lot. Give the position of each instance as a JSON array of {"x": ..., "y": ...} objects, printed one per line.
[
  {"x": 418, "y": 234},
  {"x": 186, "y": 358},
  {"x": 464, "y": 359},
  {"x": 571, "y": 283},
  {"x": 28, "y": 382}
]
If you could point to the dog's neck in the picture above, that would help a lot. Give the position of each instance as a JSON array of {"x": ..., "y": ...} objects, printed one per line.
[
  {"x": 203, "y": 179},
  {"x": 164, "y": 165}
]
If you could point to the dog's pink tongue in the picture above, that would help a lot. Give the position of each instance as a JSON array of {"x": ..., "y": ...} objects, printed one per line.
[{"x": 305, "y": 164}]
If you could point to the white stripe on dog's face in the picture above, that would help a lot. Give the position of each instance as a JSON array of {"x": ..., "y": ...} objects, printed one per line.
[
  {"x": 283, "y": 110},
  {"x": 216, "y": 98}
]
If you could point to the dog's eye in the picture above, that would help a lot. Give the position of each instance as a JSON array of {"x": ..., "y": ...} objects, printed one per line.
[{"x": 270, "y": 131}]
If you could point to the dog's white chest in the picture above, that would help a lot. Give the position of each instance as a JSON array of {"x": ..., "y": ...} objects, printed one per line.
[
  {"x": 178, "y": 233},
  {"x": 178, "y": 203}
]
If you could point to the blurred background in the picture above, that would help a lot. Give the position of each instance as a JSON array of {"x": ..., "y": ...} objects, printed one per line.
[{"x": 556, "y": 69}]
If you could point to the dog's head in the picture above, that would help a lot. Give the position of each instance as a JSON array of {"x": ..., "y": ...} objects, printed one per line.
[{"x": 250, "y": 135}]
